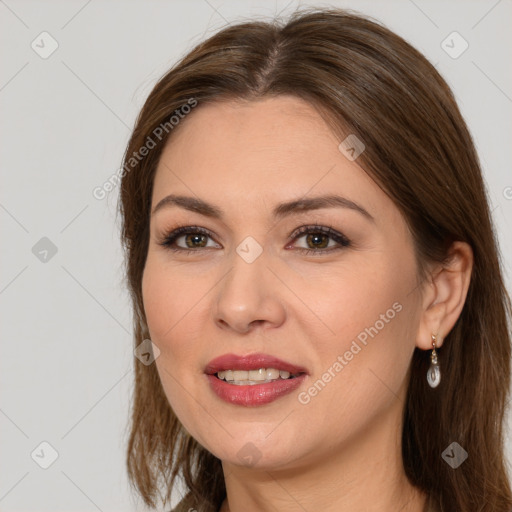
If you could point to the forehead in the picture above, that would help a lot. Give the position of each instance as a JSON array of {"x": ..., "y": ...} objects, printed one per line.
[{"x": 275, "y": 148}]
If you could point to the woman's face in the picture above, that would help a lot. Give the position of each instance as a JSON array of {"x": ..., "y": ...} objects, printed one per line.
[{"x": 346, "y": 313}]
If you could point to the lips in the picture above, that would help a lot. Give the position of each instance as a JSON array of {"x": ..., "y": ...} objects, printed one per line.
[{"x": 251, "y": 362}]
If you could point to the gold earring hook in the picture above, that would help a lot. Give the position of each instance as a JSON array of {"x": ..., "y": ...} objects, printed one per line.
[{"x": 433, "y": 357}]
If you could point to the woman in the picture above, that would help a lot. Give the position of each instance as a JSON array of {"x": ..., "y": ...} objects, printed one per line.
[{"x": 310, "y": 251}]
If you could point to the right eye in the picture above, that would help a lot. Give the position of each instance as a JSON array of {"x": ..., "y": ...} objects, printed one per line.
[{"x": 194, "y": 237}]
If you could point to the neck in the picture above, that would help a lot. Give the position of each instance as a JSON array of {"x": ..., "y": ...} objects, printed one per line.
[{"x": 362, "y": 474}]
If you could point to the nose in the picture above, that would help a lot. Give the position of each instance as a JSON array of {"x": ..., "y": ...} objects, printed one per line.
[{"x": 249, "y": 296}]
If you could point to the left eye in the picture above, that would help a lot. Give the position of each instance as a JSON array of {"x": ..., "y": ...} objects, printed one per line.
[{"x": 316, "y": 238}]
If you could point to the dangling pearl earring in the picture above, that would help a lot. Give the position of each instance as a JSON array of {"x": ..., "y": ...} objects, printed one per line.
[{"x": 434, "y": 372}]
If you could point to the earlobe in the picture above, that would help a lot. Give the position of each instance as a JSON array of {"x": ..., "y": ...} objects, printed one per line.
[{"x": 445, "y": 295}]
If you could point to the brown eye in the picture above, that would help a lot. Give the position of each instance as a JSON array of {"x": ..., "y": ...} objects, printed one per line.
[
  {"x": 194, "y": 238},
  {"x": 318, "y": 239}
]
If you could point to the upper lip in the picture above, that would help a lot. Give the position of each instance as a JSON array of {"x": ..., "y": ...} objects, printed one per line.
[{"x": 250, "y": 362}]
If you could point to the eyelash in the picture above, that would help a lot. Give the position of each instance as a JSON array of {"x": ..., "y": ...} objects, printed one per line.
[{"x": 341, "y": 239}]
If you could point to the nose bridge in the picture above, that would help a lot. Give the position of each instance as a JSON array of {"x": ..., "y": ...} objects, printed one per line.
[{"x": 248, "y": 293}]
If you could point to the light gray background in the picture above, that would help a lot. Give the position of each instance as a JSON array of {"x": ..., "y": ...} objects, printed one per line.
[{"x": 66, "y": 364}]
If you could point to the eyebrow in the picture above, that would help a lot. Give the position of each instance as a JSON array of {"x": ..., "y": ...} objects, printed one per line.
[{"x": 194, "y": 204}]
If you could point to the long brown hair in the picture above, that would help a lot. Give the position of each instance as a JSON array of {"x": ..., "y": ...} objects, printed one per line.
[{"x": 365, "y": 80}]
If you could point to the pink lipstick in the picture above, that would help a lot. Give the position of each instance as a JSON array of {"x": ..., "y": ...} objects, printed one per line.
[{"x": 254, "y": 379}]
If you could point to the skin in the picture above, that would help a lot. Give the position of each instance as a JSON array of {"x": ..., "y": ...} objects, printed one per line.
[{"x": 340, "y": 451}]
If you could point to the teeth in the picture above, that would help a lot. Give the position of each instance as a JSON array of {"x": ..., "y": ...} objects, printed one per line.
[
  {"x": 244, "y": 377},
  {"x": 259, "y": 375},
  {"x": 240, "y": 375}
]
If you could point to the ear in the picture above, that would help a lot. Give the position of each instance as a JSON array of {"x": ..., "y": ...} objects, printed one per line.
[{"x": 444, "y": 295}]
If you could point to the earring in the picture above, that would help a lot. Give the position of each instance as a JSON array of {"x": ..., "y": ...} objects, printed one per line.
[{"x": 434, "y": 372}]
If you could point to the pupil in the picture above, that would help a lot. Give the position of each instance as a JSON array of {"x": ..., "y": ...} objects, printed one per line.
[
  {"x": 195, "y": 238},
  {"x": 318, "y": 237}
]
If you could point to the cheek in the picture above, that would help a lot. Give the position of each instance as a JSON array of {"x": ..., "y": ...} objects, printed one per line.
[
  {"x": 157, "y": 301},
  {"x": 371, "y": 329},
  {"x": 175, "y": 304},
  {"x": 350, "y": 301},
  {"x": 168, "y": 308},
  {"x": 165, "y": 302}
]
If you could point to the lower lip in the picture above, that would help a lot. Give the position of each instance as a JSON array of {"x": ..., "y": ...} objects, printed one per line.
[{"x": 257, "y": 394}]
